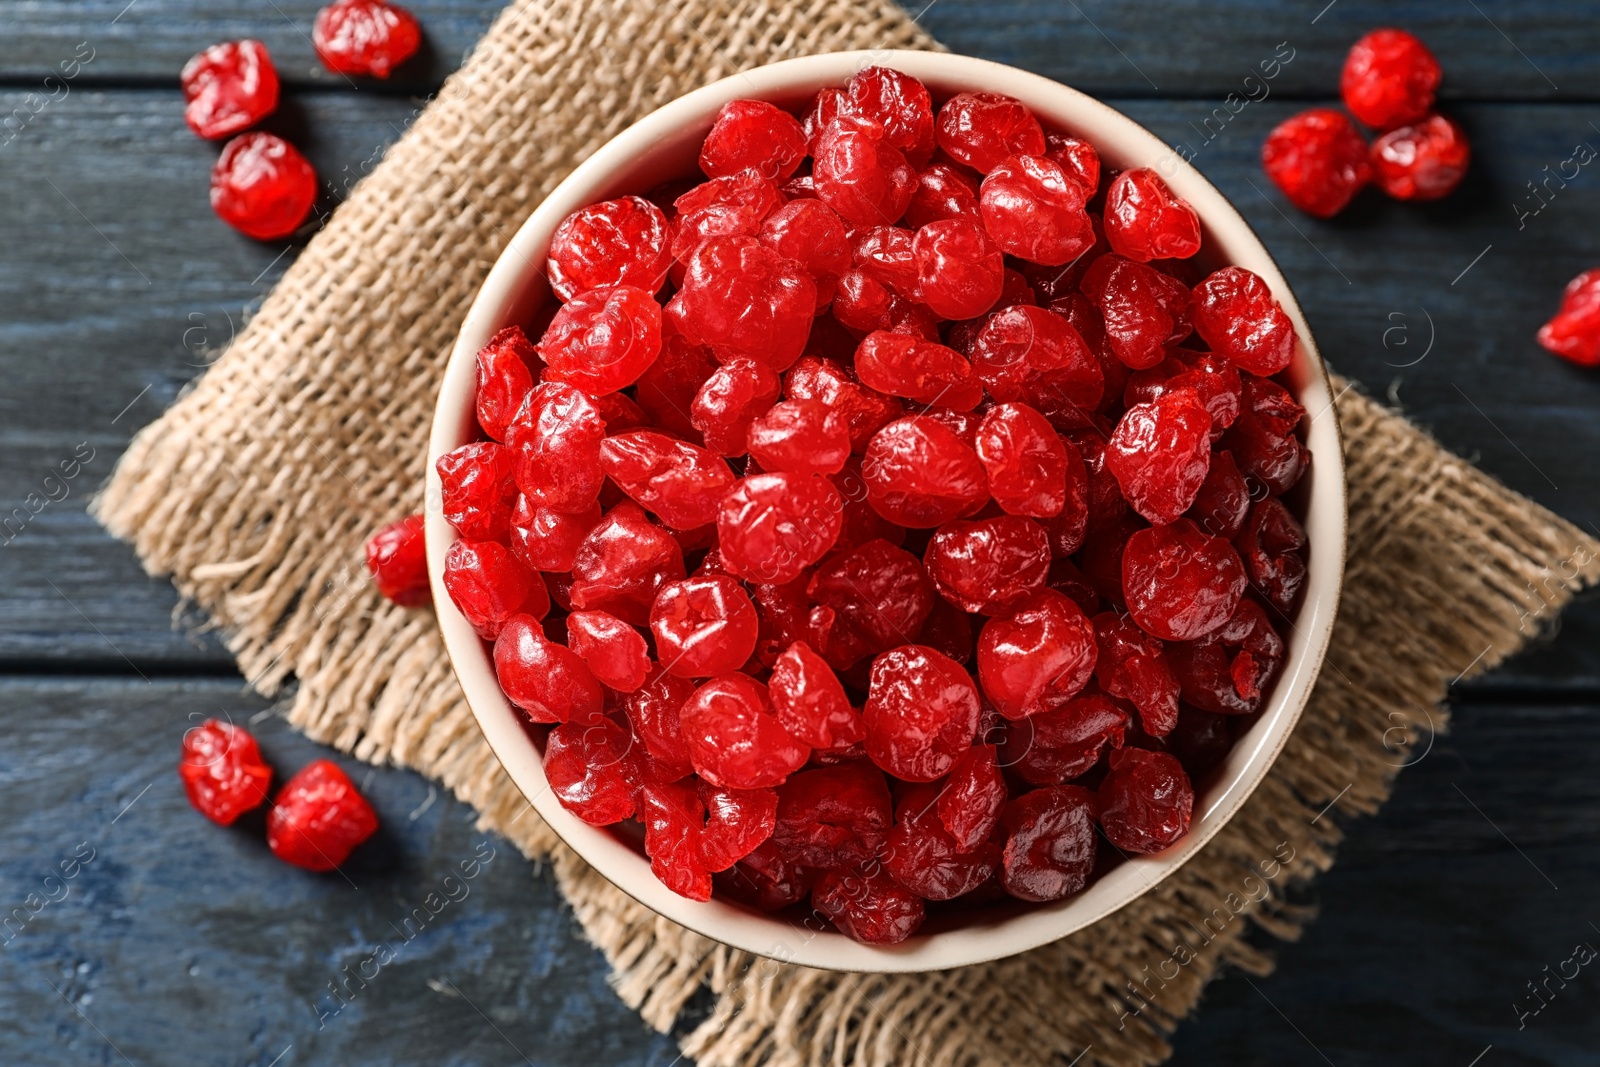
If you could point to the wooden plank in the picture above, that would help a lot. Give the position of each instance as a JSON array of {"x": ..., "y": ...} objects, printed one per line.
[
  {"x": 148, "y": 41},
  {"x": 116, "y": 296},
  {"x": 1428, "y": 928},
  {"x": 1440, "y": 911},
  {"x": 179, "y": 927},
  {"x": 1533, "y": 49}
]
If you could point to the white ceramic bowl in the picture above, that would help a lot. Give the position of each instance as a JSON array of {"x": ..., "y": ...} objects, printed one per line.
[{"x": 665, "y": 145}]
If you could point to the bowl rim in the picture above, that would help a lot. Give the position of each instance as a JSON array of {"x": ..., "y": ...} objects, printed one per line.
[{"x": 503, "y": 299}]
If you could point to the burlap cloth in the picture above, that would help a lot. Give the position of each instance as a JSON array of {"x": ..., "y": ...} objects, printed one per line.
[{"x": 258, "y": 488}]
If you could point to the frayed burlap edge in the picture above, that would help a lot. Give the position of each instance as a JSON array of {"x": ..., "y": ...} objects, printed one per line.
[{"x": 256, "y": 491}]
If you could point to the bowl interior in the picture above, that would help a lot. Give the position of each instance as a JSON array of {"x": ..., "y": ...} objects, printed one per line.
[{"x": 665, "y": 145}]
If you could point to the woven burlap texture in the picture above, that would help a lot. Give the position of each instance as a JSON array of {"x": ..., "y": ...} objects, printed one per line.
[{"x": 256, "y": 491}]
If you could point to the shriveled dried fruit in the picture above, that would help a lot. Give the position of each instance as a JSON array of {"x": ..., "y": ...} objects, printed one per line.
[
  {"x": 925, "y": 858},
  {"x": 556, "y": 438},
  {"x": 627, "y": 241},
  {"x": 960, "y": 270},
  {"x": 860, "y": 174},
  {"x": 547, "y": 680},
  {"x": 1145, "y": 310},
  {"x": 1037, "y": 657},
  {"x": 1064, "y": 742},
  {"x": 622, "y": 563},
  {"x": 477, "y": 491},
  {"x": 1050, "y": 843},
  {"x": 1146, "y": 220},
  {"x": 869, "y": 600},
  {"x": 1228, "y": 670},
  {"x": 1236, "y": 314},
  {"x": 262, "y": 186},
  {"x": 753, "y": 135},
  {"x": 586, "y": 764},
  {"x": 1160, "y": 453},
  {"x": 833, "y": 816},
  {"x": 919, "y": 473},
  {"x": 868, "y": 905},
  {"x": 615, "y": 653},
  {"x": 810, "y": 701},
  {"x": 1270, "y": 545},
  {"x": 1319, "y": 159},
  {"x": 742, "y": 299},
  {"x": 1034, "y": 211},
  {"x": 800, "y": 437},
  {"x": 982, "y": 129},
  {"x": 734, "y": 739},
  {"x": 397, "y": 559},
  {"x": 973, "y": 794},
  {"x": 222, "y": 770},
  {"x": 602, "y": 340},
  {"x": 1132, "y": 666},
  {"x": 773, "y": 526},
  {"x": 1389, "y": 79},
  {"x": 921, "y": 713},
  {"x": 1574, "y": 332},
  {"x": 1145, "y": 801},
  {"x": 682, "y": 483},
  {"x": 1180, "y": 583},
  {"x": 369, "y": 37},
  {"x": 489, "y": 585},
  {"x": 506, "y": 369},
  {"x": 703, "y": 626},
  {"x": 228, "y": 87},
  {"x": 920, "y": 371},
  {"x": 988, "y": 566},
  {"x": 1425, "y": 160},
  {"x": 319, "y": 817}
]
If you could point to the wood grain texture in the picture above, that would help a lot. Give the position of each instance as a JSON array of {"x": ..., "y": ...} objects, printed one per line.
[
  {"x": 183, "y": 943},
  {"x": 1503, "y": 49}
]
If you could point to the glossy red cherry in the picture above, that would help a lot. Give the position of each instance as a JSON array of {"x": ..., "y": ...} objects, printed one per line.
[
  {"x": 868, "y": 600},
  {"x": 1034, "y": 211},
  {"x": 222, "y": 770},
  {"x": 614, "y": 652},
  {"x": 547, "y": 680},
  {"x": 489, "y": 585},
  {"x": 1036, "y": 658},
  {"x": 988, "y": 566},
  {"x": 682, "y": 483},
  {"x": 960, "y": 270},
  {"x": 626, "y": 241},
  {"x": 1236, "y": 314},
  {"x": 753, "y": 135},
  {"x": 1160, "y": 453},
  {"x": 703, "y": 626},
  {"x": 556, "y": 439},
  {"x": 1025, "y": 460},
  {"x": 773, "y": 526},
  {"x": 587, "y": 765},
  {"x": 921, "y": 713},
  {"x": 1146, "y": 220},
  {"x": 982, "y": 129},
  {"x": 477, "y": 491},
  {"x": 1319, "y": 159},
  {"x": 868, "y": 905},
  {"x": 742, "y": 299},
  {"x": 368, "y": 37},
  {"x": 262, "y": 186},
  {"x": 1425, "y": 160},
  {"x": 1145, "y": 801},
  {"x": 228, "y": 87},
  {"x": 319, "y": 817},
  {"x": 1574, "y": 332},
  {"x": 1064, "y": 742},
  {"x": 397, "y": 559},
  {"x": 622, "y": 563},
  {"x": 810, "y": 701},
  {"x": 1180, "y": 583},
  {"x": 1389, "y": 79},
  {"x": 1050, "y": 843},
  {"x": 919, "y": 473},
  {"x": 734, "y": 739}
]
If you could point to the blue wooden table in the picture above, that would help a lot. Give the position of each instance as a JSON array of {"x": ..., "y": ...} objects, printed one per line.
[{"x": 175, "y": 943}]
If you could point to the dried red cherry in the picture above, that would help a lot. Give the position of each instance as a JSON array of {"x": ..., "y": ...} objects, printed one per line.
[
  {"x": 738, "y": 821},
  {"x": 1132, "y": 666},
  {"x": 556, "y": 438},
  {"x": 981, "y": 129},
  {"x": 1227, "y": 671},
  {"x": 1574, "y": 332},
  {"x": 262, "y": 186},
  {"x": 1034, "y": 211},
  {"x": 397, "y": 559},
  {"x": 477, "y": 491},
  {"x": 1160, "y": 453},
  {"x": 897, "y": 102},
  {"x": 506, "y": 369},
  {"x": 924, "y": 857},
  {"x": 773, "y": 526},
  {"x": 766, "y": 879},
  {"x": 943, "y": 192},
  {"x": 868, "y": 905},
  {"x": 223, "y": 773},
  {"x": 1145, "y": 310},
  {"x": 973, "y": 794},
  {"x": 921, "y": 371},
  {"x": 228, "y": 87},
  {"x": 547, "y": 680},
  {"x": 810, "y": 233},
  {"x": 742, "y": 299},
  {"x": 622, "y": 563},
  {"x": 864, "y": 411},
  {"x": 674, "y": 819},
  {"x": 960, "y": 270},
  {"x": 1236, "y": 314},
  {"x": 1063, "y": 742},
  {"x": 1037, "y": 657},
  {"x": 1180, "y": 583},
  {"x": 810, "y": 701},
  {"x": 1050, "y": 843},
  {"x": 682, "y": 483},
  {"x": 1145, "y": 801},
  {"x": 990, "y": 565},
  {"x": 1022, "y": 352},
  {"x": 1319, "y": 159},
  {"x": 586, "y": 764},
  {"x": 703, "y": 626},
  {"x": 602, "y": 340},
  {"x": 652, "y": 711},
  {"x": 1389, "y": 78},
  {"x": 614, "y": 652},
  {"x": 319, "y": 817},
  {"x": 1223, "y": 501},
  {"x": 800, "y": 437},
  {"x": 489, "y": 585},
  {"x": 1425, "y": 160},
  {"x": 1270, "y": 546},
  {"x": 870, "y": 599},
  {"x": 833, "y": 816},
  {"x": 546, "y": 539},
  {"x": 859, "y": 173},
  {"x": 734, "y": 739},
  {"x": 921, "y": 712},
  {"x": 919, "y": 473},
  {"x": 626, "y": 241},
  {"x": 753, "y": 135}
]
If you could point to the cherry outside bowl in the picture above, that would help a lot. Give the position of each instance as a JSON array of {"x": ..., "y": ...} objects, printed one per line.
[{"x": 665, "y": 145}]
